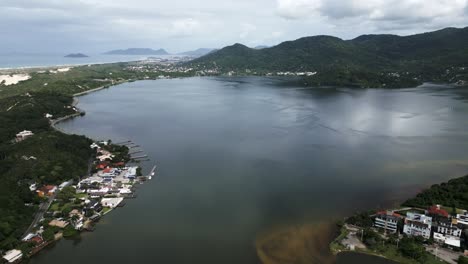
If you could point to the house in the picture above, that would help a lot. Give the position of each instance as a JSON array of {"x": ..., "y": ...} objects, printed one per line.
[
  {"x": 418, "y": 225},
  {"x": 13, "y": 255},
  {"x": 102, "y": 165},
  {"x": 36, "y": 240},
  {"x": 49, "y": 116},
  {"x": 23, "y": 135},
  {"x": 111, "y": 202},
  {"x": 93, "y": 205},
  {"x": 47, "y": 190},
  {"x": 65, "y": 184},
  {"x": 447, "y": 232},
  {"x": 94, "y": 145},
  {"x": 131, "y": 173},
  {"x": 33, "y": 187},
  {"x": 77, "y": 219},
  {"x": 387, "y": 220},
  {"x": 463, "y": 218},
  {"x": 58, "y": 223},
  {"x": 104, "y": 157}
]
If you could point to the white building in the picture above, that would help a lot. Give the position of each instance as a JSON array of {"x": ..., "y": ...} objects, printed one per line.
[
  {"x": 13, "y": 255},
  {"x": 131, "y": 173},
  {"x": 23, "y": 135},
  {"x": 463, "y": 218},
  {"x": 111, "y": 202},
  {"x": 387, "y": 221},
  {"x": 418, "y": 225}
]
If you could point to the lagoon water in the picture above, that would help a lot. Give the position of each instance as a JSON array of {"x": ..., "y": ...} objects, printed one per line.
[{"x": 251, "y": 166}]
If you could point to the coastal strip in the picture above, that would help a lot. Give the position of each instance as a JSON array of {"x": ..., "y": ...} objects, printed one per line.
[{"x": 430, "y": 228}]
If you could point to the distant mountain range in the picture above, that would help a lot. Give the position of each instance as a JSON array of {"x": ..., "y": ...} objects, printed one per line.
[
  {"x": 137, "y": 51},
  {"x": 198, "y": 52},
  {"x": 423, "y": 56},
  {"x": 76, "y": 55}
]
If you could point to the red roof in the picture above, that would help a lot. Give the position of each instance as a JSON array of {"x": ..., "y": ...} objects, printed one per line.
[
  {"x": 119, "y": 164},
  {"x": 37, "y": 240},
  {"x": 47, "y": 188},
  {"x": 107, "y": 170},
  {"x": 436, "y": 210},
  {"x": 392, "y": 213}
]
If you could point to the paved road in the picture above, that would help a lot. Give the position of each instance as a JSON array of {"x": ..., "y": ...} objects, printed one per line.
[
  {"x": 444, "y": 254},
  {"x": 40, "y": 213}
]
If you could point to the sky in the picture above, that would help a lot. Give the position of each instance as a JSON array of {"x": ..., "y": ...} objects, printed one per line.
[{"x": 94, "y": 26}]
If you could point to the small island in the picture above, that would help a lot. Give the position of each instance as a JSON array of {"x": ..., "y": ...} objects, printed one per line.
[{"x": 76, "y": 55}]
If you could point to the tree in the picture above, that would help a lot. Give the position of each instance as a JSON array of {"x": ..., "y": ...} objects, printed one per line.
[
  {"x": 412, "y": 248},
  {"x": 48, "y": 234},
  {"x": 66, "y": 194}
]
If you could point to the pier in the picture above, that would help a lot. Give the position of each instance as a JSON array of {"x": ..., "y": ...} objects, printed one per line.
[
  {"x": 140, "y": 157},
  {"x": 151, "y": 173}
]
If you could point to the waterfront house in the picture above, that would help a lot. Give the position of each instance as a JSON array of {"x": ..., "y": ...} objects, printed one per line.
[
  {"x": 418, "y": 225},
  {"x": 23, "y": 135},
  {"x": 387, "y": 220},
  {"x": 131, "y": 173},
  {"x": 13, "y": 256},
  {"x": 463, "y": 218},
  {"x": 447, "y": 232},
  {"x": 47, "y": 190},
  {"x": 111, "y": 202},
  {"x": 58, "y": 223}
]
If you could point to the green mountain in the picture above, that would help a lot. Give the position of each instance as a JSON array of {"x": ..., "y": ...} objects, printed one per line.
[
  {"x": 421, "y": 57},
  {"x": 197, "y": 53}
]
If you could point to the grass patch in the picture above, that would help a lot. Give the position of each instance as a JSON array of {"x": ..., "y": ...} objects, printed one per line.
[
  {"x": 336, "y": 246},
  {"x": 106, "y": 210}
]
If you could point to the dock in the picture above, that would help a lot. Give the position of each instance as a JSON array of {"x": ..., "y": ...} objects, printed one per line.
[
  {"x": 151, "y": 173},
  {"x": 123, "y": 142},
  {"x": 140, "y": 157}
]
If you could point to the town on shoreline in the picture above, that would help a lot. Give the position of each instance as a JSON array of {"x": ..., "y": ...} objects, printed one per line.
[
  {"x": 430, "y": 228},
  {"x": 75, "y": 206}
]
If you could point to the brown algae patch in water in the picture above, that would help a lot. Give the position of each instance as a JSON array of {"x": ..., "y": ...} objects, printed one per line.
[{"x": 308, "y": 243}]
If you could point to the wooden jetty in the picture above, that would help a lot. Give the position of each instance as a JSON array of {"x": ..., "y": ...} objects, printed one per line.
[
  {"x": 123, "y": 142},
  {"x": 140, "y": 157}
]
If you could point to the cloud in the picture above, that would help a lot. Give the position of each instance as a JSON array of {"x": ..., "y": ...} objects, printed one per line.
[
  {"x": 184, "y": 27},
  {"x": 246, "y": 30},
  {"x": 377, "y": 11},
  {"x": 100, "y": 25}
]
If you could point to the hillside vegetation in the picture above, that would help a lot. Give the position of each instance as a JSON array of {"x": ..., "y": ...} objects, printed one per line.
[{"x": 369, "y": 59}]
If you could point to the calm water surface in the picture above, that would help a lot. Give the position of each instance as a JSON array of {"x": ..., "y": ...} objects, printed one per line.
[{"x": 242, "y": 157}]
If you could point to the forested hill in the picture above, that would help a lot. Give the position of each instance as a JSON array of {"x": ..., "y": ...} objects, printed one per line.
[
  {"x": 448, "y": 47},
  {"x": 423, "y": 55}
]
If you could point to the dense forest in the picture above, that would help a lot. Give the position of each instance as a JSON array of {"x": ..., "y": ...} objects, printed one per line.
[
  {"x": 56, "y": 157},
  {"x": 453, "y": 194},
  {"x": 369, "y": 60}
]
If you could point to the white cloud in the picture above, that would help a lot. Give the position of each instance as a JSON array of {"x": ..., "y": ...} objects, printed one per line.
[
  {"x": 394, "y": 11},
  {"x": 100, "y": 25}
]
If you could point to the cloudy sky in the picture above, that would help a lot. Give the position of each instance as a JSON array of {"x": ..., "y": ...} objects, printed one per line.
[{"x": 179, "y": 25}]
